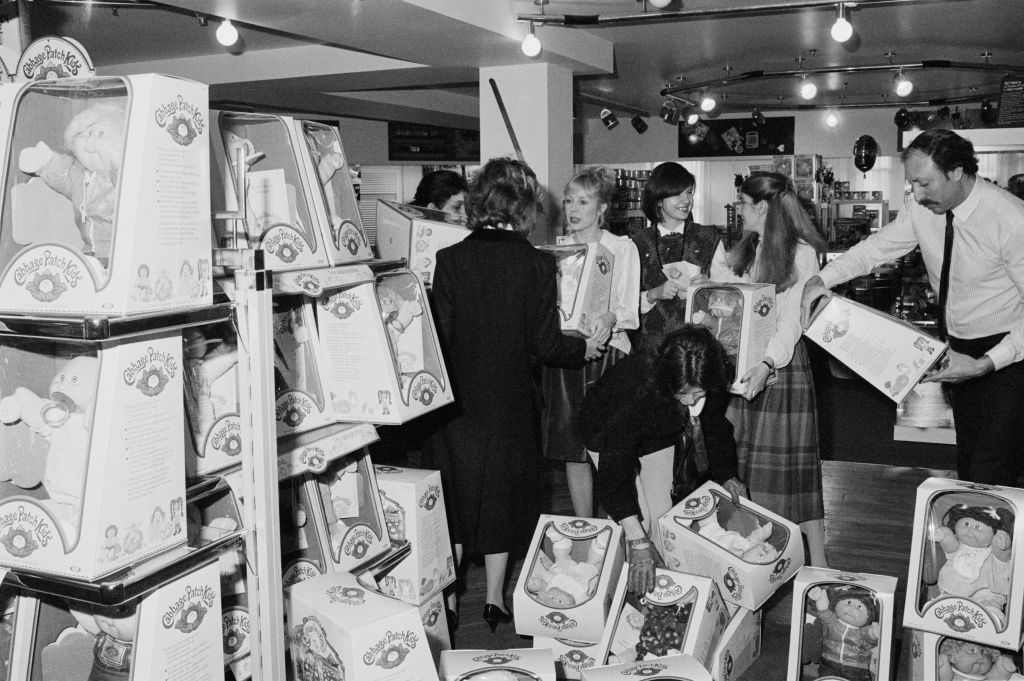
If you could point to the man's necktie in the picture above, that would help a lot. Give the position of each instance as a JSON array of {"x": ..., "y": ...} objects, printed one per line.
[
  {"x": 947, "y": 255},
  {"x": 700, "y": 449}
]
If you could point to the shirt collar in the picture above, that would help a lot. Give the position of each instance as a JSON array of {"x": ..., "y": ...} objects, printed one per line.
[{"x": 968, "y": 205}]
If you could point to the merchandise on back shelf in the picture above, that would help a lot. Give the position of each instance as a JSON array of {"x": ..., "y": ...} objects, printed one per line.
[
  {"x": 211, "y": 398},
  {"x": 669, "y": 668},
  {"x": 92, "y": 444},
  {"x": 741, "y": 317},
  {"x": 303, "y": 556},
  {"x": 963, "y": 563},
  {"x": 300, "y": 380},
  {"x": 683, "y": 614},
  {"x": 584, "y": 285},
  {"x": 313, "y": 452},
  {"x": 106, "y": 198},
  {"x": 571, "y": 570},
  {"x": 841, "y": 625},
  {"x": 416, "y": 234},
  {"x": 342, "y": 631},
  {"x": 414, "y": 511},
  {"x": 518, "y": 664},
  {"x": 300, "y": 207},
  {"x": 435, "y": 626},
  {"x": 944, "y": 658},
  {"x": 748, "y": 550},
  {"x": 383, "y": 360},
  {"x": 739, "y": 648},
  {"x": 173, "y": 631},
  {"x": 13, "y": 616}
]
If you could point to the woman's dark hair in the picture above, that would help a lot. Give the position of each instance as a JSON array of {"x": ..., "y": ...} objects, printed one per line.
[
  {"x": 505, "y": 192},
  {"x": 947, "y": 150},
  {"x": 667, "y": 179},
  {"x": 691, "y": 357},
  {"x": 785, "y": 226},
  {"x": 437, "y": 187}
]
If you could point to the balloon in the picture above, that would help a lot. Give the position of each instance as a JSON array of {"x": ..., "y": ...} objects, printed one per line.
[{"x": 865, "y": 151}]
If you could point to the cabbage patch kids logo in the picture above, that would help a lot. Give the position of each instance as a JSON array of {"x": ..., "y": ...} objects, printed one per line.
[
  {"x": 557, "y": 621},
  {"x": 961, "y": 616},
  {"x": 347, "y": 236},
  {"x": 779, "y": 572},
  {"x": 151, "y": 372},
  {"x": 432, "y": 615},
  {"x": 391, "y": 651},
  {"x": 309, "y": 283},
  {"x": 48, "y": 276},
  {"x": 346, "y": 595},
  {"x": 23, "y": 531},
  {"x": 731, "y": 582},
  {"x": 183, "y": 120},
  {"x": 186, "y": 614},
  {"x": 495, "y": 659},
  {"x": 299, "y": 571},
  {"x": 358, "y": 541},
  {"x": 429, "y": 497},
  {"x": 235, "y": 630},
  {"x": 603, "y": 266},
  {"x": 283, "y": 243},
  {"x": 763, "y": 306},
  {"x": 665, "y": 589},
  {"x": 314, "y": 458},
  {"x": 342, "y": 305},
  {"x": 316, "y": 658},
  {"x": 577, "y": 527},
  {"x": 226, "y": 437},
  {"x": 644, "y": 669},
  {"x": 293, "y": 408},
  {"x": 53, "y": 58},
  {"x": 424, "y": 389},
  {"x": 576, "y": 659}
]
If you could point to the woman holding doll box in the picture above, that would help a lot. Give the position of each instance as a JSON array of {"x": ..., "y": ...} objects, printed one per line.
[{"x": 776, "y": 425}]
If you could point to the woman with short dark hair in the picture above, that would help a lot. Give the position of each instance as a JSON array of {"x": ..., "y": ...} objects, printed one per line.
[{"x": 443, "y": 190}]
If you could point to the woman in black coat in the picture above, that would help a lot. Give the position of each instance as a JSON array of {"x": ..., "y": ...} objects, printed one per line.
[{"x": 495, "y": 302}]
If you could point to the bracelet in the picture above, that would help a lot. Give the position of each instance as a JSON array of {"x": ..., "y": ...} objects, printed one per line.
[
  {"x": 644, "y": 543},
  {"x": 771, "y": 367}
]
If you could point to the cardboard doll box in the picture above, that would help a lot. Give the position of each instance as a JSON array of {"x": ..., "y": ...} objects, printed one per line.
[
  {"x": 314, "y": 451},
  {"x": 741, "y": 316},
  {"x": 888, "y": 353},
  {"x": 435, "y": 626},
  {"x": 683, "y": 614},
  {"x": 825, "y": 643},
  {"x": 303, "y": 556},
  {"x": 416, "y": 234},
  {"x": 584, "y": 285},
  {"x": 302, "y": 401},
  {"x": 518, "y": 664},
  {"x": 739, "y": 648},
  {"x": 381, "y": 352},
  {"x": 806, "y": 166},
  {"x": 339, "y": 629},
  {"x": 748, "y": 550},
  {"x": 93, "y": 468},
  {"x": 933, "y": 656},
  {"x": 568, "y": 580},
  {"x": 125, "y": 230},
  {"x": 947, "y": 593},
  {"x": 173, "y": 632},
  {"x": 414, "y": 511},
  {"x": 300, "y": 207},
  {"x": 669, "y": 668}
]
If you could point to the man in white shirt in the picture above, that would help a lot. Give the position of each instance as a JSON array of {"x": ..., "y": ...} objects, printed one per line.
[{"x": 984, "y": 301}]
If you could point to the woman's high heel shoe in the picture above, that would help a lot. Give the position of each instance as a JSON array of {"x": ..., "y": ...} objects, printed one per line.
[{"x": 494, "y": 616}]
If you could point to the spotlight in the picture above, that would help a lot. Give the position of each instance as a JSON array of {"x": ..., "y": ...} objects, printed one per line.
[
  {"x": 842, "y": 30},
  {"x": 227, "y": 34},
  {"x": 943, "y": 113},
  {"x": 708, "y": 102},
  {"x": 832, "y": 119},
  {"x": 660, "y": 4},
  {"x": 531, "y": 43},
  {"x": 757, "y": 118},
  {"x": 901, "y": 118},
  {"x": 669, "y": 112},
  {"x": 609, "y": 119},
  {"x": 690, "y": 115},
  {"x": 638, "y": 123},
  {"x": 989, "y": 113},
  {"x": 808, "y": 90},
  {"x": 902, "y": 85}
]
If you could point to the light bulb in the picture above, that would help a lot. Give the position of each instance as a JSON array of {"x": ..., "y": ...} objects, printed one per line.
[
  {"x": 902, "y": 85},
  {"x": 692, "y": 117},
  {"x": 808, "y": 90},
  {"x": 832, "y": 119},
  {"x": 660, "y": 4},
  {"x": 227, "y": 34},
  {"x": 842, "y": 30},
  {"x": 708, "y": 103},
  {"x": 531, "y": 44}
]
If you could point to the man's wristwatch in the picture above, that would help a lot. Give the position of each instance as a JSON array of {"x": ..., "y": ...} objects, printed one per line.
[{"x": 642, "y": 543}]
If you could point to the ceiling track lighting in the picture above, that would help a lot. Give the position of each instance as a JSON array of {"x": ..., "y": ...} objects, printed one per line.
[
  {"x": 832, "y": 118},
  {"x": 902, "y": 85},
  {"x": 531, "y": 43},
  {"x": 708, "y": 102},
  {"x": 227, "y": 34},
  {"x": 669, "y": 112},
  {"x": 757, "y": 118},
  {"x": 808, "y": 90},
  {"x": 842, "y": 29},
  {"x": 638, "y": 123},
  {"x": 609, "y": 119}
]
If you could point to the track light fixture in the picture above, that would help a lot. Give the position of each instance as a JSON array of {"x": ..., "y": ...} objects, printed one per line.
[
  {"x": 842, "y": 29},
  {"x": 609, "y": 119},
  {"x": 708, "y": 102},
  {"x": 902, "y": 85},
  {"x": 531, "y": 43},
  {"x": 757, "y": 118},
  {"x": 808, "y": 90},
  {"x": 227, "y": 34},
  {"x": 669, "y": 112},
  {"x": 638, "y": 123},
  {"x": 659, "y": 4},
  {"x": 832, "y": 119},
  {"x": 989, "y": 113},
  {"x": 690, "y": 115},
  {"x": 902, "y": 118}
]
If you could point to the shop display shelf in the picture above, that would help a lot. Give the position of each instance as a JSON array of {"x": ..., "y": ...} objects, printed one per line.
[
  {"x": 379, "y": 566},
  {"x": 314, "y": 450},
  {"x": 100, "y": 328},
  {"x": 315, "y": 281}
]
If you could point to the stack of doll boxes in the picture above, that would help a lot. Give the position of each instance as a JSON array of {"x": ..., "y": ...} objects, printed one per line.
[
  {"x": 300, "y": 207},
  {"x": 842, "y": 625},
  {"x": 481, "y": 665},
  {"x": 414, "y": 512},
  {"x": 584, "y": 285},
  {"x": 381, "y": 353},
  {"x": 415, "y": 234},
  {"x": 965, "y": 601},
  {"x": 668, "y": 668}
]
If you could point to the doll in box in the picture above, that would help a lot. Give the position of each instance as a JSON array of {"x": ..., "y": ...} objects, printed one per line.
[
  {"x": 558, "y": 581},
  {"x": 206, "y": 360},
  {"x": 87, "y": 172},
  {"x": 64, "y": 418},
  {"x": 752, "y": 547},
  {"x": 722, "y": 312},
  {"x": 398, "y": 313},
  {"x": 977, "y": 545},
  {"x": 115, "y": 636},
  {"x": 664, "y": 628},
  {"x": 850, "y": 631},
  {"x": 966, "y": 661}
]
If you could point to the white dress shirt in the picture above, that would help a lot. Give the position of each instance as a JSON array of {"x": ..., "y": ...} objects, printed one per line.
[
  {"x": 986, "y": 280},
  {"x": 625, "y": 296}
]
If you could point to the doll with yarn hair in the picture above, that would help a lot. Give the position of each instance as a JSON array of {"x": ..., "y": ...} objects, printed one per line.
[
  {"x": 849, "y": 632},
  {"x": 967, "y": 661},
  {"x": 721, "y": 310},
  {"x": 977, "y": 543},
  {"x": 752, "y": 547},
  {"x": 558, "y": 581}
]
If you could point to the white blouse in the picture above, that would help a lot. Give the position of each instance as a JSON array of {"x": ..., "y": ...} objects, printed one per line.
[{"x": 625, "y": 296}]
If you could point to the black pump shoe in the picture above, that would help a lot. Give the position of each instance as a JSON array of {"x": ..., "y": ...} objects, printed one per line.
[{"x": 494, "y": 616}]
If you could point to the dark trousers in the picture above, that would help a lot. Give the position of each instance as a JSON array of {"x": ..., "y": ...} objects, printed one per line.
[{"x": 989, "y": 415}]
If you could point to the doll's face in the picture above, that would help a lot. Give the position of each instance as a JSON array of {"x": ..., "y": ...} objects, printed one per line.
[
  {"x": 96, "y": 139},
  {"x": 76, "y": 381},
  {"x": 971, "y": 658},
  {"x": 852, "y": 611},
  {"x": 388, "y": 303},
  {"x": 556, "y": 598},
  {"x": 121, "y": 628},
  {"x": 761, "y": 553},
  {"x": 973, "y": 533}
]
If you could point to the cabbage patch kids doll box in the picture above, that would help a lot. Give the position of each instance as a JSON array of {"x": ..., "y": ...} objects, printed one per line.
[
  {"x": 173, "y": 632},
  {"x": 944, "y": 658},
  {"x": 963, "y": 563},
  {"x": 670, "y": 668},
  {"x": 210, "y": 355},
  {"x": 92, "y": 442},
  {"x": 416, "y": 234},
  {"x": 742, "y": 318},
  {"x": 739, "y": 648},
  {"x": 841, "y": 625},
  {"x": 571, "y": 570},
  {"x": 519, "y": 664},
  {"x": 748, "y": 550},
  {"x": 414, "y": 511},
  {"x": 584, "y": 285},
  {"x": 303, "y": 555},
  {"x": 299, "y": 206},
  {"x": 339, "y": 629},
  {"x": 106, "y": 196},
  {"x": 435, "y": 626},
  {"x": 383, "y": 359},
  {"x": 302, "y": 401}
]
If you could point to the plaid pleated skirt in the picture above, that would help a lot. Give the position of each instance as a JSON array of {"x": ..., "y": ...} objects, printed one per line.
[{"x": 777, "y": 443}]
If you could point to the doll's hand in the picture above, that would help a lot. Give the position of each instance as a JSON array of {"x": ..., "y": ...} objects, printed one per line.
[
  {"x": 33, "y": 159},
  {"x": 329, "y": 164},
  {"x": 10, "y": 409},
  {"x": 940, "y": 534},
  {"x": 815, "y": 592},
  {"x": 874, "y": 630},
  {"x": 1001, "y": 540}
]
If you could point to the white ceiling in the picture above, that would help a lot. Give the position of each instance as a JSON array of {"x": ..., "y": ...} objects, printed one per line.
[{"x": 417, "y": 59}]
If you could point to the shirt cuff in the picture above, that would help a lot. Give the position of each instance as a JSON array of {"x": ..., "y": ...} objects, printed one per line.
[
  {"x": 1001, "y": 355},
  {"x": 645, "y": 305}
]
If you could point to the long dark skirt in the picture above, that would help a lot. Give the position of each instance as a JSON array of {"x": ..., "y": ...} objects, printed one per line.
[
  {"x": 777, "y": 443},
  {"x": 563, "y": 391}
]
